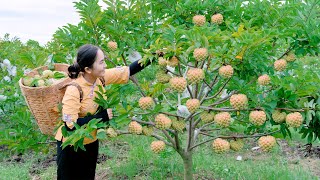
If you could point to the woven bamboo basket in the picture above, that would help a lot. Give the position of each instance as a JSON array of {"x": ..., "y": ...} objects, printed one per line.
[{"x": 43, "y": 102}]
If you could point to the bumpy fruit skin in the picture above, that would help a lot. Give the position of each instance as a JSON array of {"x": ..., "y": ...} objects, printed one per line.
[
  {"x": 135, "y": 128},
  {"x": 49, "y": 82},
  {"x": 157, "y": 146},
  {"x": 257, "y": 117},
  {"x": 217, "y": 19},
  {"x": 200, "y": 54},
  {"x": 280, "y": 65},
  {"x": 199, "y": 20},
  {"x": 195, "y": 75},
  {"x": 162, "y": 121},
  {"x": 173, "y": 61},
  {"x": 111, "y": 133},
  {"x": 192, "y": 105},
  {"x": 207, "y": 117},
  {"x": 239, "y": 101},
  {"x": 47, "y": 74},
  {"x": 278, "y": 116},
  {"x": 178, "y": 125},
  {"x": 290, "y": 57},
  {"x": 163, "y": 77},
  {"x": 27, "y": 81},
  {"x": 266, "y": 143},
  {"x": 226, "y": 71},
  {"x": 162, "y": 61},
  {"x": 148, "y": 131},
  {"x": 220, "y": 146},
  {"x": 222, "y": 119},
  {"x": 146, "y": 103},
  {"x": 264, "y": 80},
  {"x": 112, "y": 45},
  {"x": 294, "y": 119},
  {"x": 178, "y": 84},
  {"x": 40, "y": 83},
  {"x": 236, "y": 145}
]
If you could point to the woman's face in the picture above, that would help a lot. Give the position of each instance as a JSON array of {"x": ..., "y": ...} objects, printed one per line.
[{"x": 99, "y": 65}]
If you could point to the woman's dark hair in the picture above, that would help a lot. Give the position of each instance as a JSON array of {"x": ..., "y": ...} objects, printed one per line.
[{"x": 85, "y": 58}]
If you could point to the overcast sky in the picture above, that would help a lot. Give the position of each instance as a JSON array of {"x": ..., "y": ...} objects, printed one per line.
[{"x": 35, "y": 19}]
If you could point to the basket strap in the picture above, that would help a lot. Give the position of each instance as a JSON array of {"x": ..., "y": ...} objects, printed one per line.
[
  {"x": 77, "y": 86},
  {"x": 102, "y": 81},
  {"x": 80, "y": 89}
]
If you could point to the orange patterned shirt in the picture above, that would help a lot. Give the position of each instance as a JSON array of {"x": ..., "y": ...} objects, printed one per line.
[{"x": 72, "y": 108}]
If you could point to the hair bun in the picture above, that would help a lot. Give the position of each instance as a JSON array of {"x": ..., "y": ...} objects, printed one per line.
[{"x": 74, "y": 70}]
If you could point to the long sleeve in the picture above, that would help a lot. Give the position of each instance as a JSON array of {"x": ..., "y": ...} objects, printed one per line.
[{"x": 71, "y": 106}]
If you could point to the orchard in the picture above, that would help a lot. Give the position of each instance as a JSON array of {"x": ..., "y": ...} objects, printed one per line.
[{"x": 224, "y": 75}]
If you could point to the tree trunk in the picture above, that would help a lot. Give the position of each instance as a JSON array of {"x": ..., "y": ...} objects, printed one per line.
[{"x": 187, "y": 162}]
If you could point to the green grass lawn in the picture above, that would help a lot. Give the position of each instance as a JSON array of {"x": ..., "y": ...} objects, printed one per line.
[{"x": 129, "y": 157}]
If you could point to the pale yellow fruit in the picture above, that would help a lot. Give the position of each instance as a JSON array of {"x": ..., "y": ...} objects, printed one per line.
[
  {"x": 148, "y": 131},
  {"x": 264, "y": 80},
  {"x": 162, "y": 61},
  {"x": 207, "y": 117},
  {"x": 112, "y": 45},
  {"x": 280, "y": 65},
  {"x": 222, "y": 119},
  {"x": 27, "y": 81},
  {"x": 178, "y": 84},
  {"x": 199, "y": 20},
  {"x": 290, "y": 57},
  {"x": 162, "y": 121},
  {"x": 257, "y": 117},
  {"x": 226, "y": 71},
  {"x": 217, "y": 18},
  {"x": 163, "y": 77},
  {"x": 40, "y": 83},
  {"x": 178, "y": 125},
  {"x": 294, "y": 119},
  {"x": 236, "y": 145},
  {"x": 135, "y": 128},
  {"x": 192, "y": 105},
  {"x": 173, "y": 61},
  {"x": 146, "y": 103},
  {"x": 111, "y": 132},
  {"x": 200, "y": 54},
  {"x": 239, "y": 101},
  {"x": 266, "y": 143},
  {"x": 220, "y": 146},
  {"x": 278, "y": 116},
  {"x": 157, "y": 146},
  {"x": 47, "y": 74},
  {"x": 195, "y": 75}
]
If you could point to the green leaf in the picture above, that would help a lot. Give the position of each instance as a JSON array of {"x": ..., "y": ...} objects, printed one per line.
[{"x": 310, "y": 137}]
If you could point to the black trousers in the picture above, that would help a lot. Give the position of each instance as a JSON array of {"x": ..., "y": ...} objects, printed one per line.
[{"x": 80, "y": 165}]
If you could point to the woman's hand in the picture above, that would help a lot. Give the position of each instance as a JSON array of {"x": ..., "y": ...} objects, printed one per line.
[{"x": 110, "y": 115}]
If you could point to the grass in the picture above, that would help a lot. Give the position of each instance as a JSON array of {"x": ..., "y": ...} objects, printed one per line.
[{"x": 129, "y": 157}]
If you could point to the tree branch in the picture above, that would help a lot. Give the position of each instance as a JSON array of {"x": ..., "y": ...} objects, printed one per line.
[
  {"x": 229, "y": 137},
  {"x": 169, "y": 114},
  {"x": 134, "y": 80},
  {"x": 210, "y": 86},
  {"x": 190, "y": 132},
  {"x": 221, "y": 89},
  {"x": 172, "y": 72},
  {"x": 170, "y": 138},
  {"x": 223, "y": 99},
  {"x": 143, "y": 122},
  {"x": 230, "y": 109}
]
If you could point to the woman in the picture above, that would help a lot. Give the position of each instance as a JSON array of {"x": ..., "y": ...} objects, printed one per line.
[{"x": 91, "y": 63}]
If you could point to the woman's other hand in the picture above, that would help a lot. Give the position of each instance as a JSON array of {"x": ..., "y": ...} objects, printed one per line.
[{"x": 110, "y": 115}]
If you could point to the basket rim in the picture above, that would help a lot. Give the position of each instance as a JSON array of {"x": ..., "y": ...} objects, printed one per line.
[{"x": 34, "y": 70}]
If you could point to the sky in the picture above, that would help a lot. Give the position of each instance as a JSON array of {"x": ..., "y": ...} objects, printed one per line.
[{"x": 35, "y": 19}]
